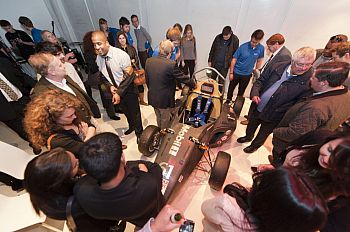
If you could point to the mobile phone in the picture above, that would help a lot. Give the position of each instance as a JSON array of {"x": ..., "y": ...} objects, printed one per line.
[{"x": 187, "y": 226}]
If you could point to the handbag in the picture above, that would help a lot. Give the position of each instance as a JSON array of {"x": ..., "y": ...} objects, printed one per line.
[{"x": 140, "y": 78}]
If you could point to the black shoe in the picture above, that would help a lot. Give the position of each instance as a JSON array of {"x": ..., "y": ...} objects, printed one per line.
[
  {"x": 250, "y": 149},
  {"x": 114, "y": 117},
  {"x": 128, "y": 131},
  {"x": 244, "y": 139}
]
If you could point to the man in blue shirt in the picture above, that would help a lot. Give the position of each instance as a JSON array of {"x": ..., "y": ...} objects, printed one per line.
[
  {"x": 28, "y": 25},
  {"x": 124, "y": 24},
  {"x": 247, "y": 55}
]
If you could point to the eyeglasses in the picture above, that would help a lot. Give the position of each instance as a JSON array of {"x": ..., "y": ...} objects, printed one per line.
[{"x": 302, "y": 65}]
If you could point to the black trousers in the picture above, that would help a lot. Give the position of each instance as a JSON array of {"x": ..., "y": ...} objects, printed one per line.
[
  {"x": 16, "y": 123},
  {"x": 223, "y": 71},
  {"x": 189, "y": 66},
  {"x": 265, "y": 130},
  {"x": 143, "y": 57},
  {"x": 243, "y": 82},
  {"x": 129, "y": 104}
]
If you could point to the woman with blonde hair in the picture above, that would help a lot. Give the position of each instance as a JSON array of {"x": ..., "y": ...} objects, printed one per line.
[
  {"x": 188, "y": 50},
  {"x": 54, "y": 119}
]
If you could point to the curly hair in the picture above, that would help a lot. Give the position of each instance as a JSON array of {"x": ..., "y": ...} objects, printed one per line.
[{"x": 43, "y": 111}]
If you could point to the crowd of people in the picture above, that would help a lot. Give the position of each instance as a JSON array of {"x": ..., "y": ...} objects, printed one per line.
[{"x": 84, "y": 178}]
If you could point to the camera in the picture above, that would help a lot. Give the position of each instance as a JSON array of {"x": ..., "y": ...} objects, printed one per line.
[{"x": 187, "y": 226}]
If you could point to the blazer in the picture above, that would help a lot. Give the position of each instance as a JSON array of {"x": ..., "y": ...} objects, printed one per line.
[
  {"x": 92, "y": 108},
  {"x": 283, "y": 55},
  {"x": 161, "y": 77},
  {"x": 19, "y": 79}
]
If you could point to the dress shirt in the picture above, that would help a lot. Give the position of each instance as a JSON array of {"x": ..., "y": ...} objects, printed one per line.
[
  {"x": 62, "y": 85},
  {"x": 119, "y": 60}
]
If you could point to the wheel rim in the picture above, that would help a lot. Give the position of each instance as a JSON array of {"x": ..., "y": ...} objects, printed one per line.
[{"x": 154, "y": 143}]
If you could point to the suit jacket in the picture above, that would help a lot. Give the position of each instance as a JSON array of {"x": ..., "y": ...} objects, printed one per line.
[
  {"x": 161, "y": 74},
  {"x": 289, "y": 92},
  {"x": 19, "y": 79},
  {"x": 90, "y": 105},
  {"x": 283, "y": 55}
]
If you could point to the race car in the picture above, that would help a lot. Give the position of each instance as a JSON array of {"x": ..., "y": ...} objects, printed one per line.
[{"x": 200, "y": 121}]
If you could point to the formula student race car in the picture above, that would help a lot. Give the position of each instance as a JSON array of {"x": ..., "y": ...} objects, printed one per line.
[{"x": 200, "y": 121}]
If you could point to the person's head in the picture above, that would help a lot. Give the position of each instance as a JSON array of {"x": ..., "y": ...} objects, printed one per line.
[
  {"x": 6, "y": 25},
  {"x": 103, "y": 24},
  {"x": 314, "y": 156},
  {"x": 302, "y": 60},
  {"x": 188, "y": 32},
  {"x": 49, "y": 36},
  {"x": 49, "y": 175},
  {"x": 341, "y": 52},
  {"x": 88, "y": 46},
  {"x": 226, "y": 33},
  {"x": 101, "y": 156},
  {"x": 328, "y": 75},
  {"x": 334, "y": 40},
  {"x": 256, "y": 37},
  {"x": 48, "y": 113},
  {"x": 178, "y": 26},
  {"x": 122, "y": 40},
  {"x": 135, "y": 21},
  {"x": 124, "y": 24},
  {"x": 48, "y": 65},
  {"x": 166, "y": 47},
  {"x": 275, "y": 42},
  {"x": 25, "y": 22},
  {"x": 174, "y": 35},
  {"x": 52, "y": 48},
  {"x": 100, "y": 42},
  {"x": 286, "y": 200}
]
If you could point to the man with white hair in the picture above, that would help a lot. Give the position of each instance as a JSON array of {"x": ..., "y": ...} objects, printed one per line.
[
  {"x": 161, "y": 74},
  {"x": 275, "y": 92}
]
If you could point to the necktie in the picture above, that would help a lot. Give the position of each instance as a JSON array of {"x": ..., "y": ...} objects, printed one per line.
[
  {"x": 262, "y": 69},
  {"x": 8, "y": 90},
  {"x": 109, "y": 71}
]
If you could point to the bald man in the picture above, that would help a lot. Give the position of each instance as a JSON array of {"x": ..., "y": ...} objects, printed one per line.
[{"x": 115, "y": 65}]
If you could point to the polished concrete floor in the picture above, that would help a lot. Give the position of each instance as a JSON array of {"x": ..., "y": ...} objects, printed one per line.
[{"x": 196, "y": 188}]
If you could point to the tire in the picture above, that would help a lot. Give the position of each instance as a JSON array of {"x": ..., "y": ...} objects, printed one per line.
[
  {"x": 149, "y": 140},
  {"x": 219, "y": 171},
  {"x": 238, "y": 105}
]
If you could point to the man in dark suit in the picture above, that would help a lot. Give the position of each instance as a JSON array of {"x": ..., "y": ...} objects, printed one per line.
[
  {"x": 279, "y": 53},
  {"x": 14, "y": 100},
  {"x": 278, "y": 89},
  {"x": 161, "y": 74},
  {"x": 54, "y": 76}
]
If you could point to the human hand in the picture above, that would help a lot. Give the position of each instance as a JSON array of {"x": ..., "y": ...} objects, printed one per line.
[
  {"x": 231, "y": 76},
  {"x": 256, "y": 99},
  {"x": 142, "y": 167},
  {"x": 115, "y": 99},
  {"x": 83, "y": 127},
  {"x": 163, "y": 223},
  {"x": 264, "y": 167}
]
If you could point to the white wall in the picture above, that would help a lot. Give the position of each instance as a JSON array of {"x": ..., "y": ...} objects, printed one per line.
[
  {"x": 34, "y": 9},
  {"x": 302, "y": 22}
]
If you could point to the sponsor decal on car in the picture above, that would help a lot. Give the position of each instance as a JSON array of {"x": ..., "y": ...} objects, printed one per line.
[
  {"x": 167, "y": 170},
  {"x": 178, "y": 140}
]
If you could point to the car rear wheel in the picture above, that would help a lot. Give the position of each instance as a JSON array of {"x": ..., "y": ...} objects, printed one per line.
[
  {"x": 149, "y": 140},
  {"x": 219, "y": 171}
]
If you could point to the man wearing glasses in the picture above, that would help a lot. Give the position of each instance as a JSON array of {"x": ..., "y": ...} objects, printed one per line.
[{"x": 275, "y": 92}]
